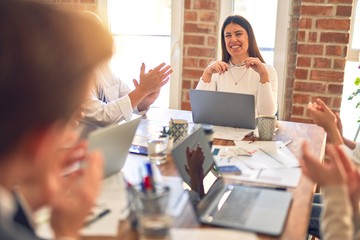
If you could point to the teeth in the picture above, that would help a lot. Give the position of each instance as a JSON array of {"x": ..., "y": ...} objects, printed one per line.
[{"x": 235, "y": 46}]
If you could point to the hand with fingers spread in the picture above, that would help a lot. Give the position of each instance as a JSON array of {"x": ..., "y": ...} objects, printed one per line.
[{"x": 194, "y": 167}]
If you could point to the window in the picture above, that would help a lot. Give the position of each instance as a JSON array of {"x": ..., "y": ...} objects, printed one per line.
[
  {"x": 143, "y": 32},
  {"x": 264, "y": 27},
  {"x": 349, "y": 113}
]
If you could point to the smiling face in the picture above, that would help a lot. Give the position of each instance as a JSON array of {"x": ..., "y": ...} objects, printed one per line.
[{"x": 237, "y": 42}]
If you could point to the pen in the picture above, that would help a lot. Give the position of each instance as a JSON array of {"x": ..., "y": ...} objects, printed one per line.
[
  {"x": 151, "y": 176},
  {"x": 285, "y": 143},
  {"x": 97, "y": 217}
]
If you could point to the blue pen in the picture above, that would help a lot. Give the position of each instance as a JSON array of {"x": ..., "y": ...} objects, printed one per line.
[
  {"x": 97, "y": 217},
  {"x": 151, "y": 175}
]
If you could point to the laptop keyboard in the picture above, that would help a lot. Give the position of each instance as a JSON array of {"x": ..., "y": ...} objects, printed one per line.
[{"x": 238, "y": 205}]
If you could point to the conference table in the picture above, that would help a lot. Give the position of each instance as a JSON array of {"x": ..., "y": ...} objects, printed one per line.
[{"x": 299, "y": 213}]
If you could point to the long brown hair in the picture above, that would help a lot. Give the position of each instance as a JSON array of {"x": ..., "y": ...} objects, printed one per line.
[{"x": 253, "y": 47}]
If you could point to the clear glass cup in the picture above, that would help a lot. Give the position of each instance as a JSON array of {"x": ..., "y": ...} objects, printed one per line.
[
  {"x": 150, "y": 211},
  {"x": 157, "y": 148}
]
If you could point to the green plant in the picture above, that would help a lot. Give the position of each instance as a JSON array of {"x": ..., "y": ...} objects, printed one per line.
[{"x": 356, "y": 92}]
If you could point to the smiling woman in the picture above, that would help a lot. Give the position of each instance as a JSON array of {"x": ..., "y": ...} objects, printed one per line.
[{"x": 255, "y": 77}]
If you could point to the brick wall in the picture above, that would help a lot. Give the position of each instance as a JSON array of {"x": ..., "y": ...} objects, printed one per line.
[
  {"x": 322, "y": 39},
  {"x": 318, "y": 38},
  {"x": 292, "y": 54},
  {"x": 201, "y": 18}
]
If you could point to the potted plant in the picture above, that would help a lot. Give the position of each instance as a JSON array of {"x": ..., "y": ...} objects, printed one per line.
[{"x": 356, "y": 93}]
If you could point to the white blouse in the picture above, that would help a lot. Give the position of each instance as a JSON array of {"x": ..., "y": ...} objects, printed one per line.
[{"x": 247, "y": 81}]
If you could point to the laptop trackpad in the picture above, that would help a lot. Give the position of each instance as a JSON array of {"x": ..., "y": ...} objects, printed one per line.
[{"x": 269, "y": 212}]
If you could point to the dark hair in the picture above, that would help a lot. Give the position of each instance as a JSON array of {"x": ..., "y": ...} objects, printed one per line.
[
  {"x": 253, "y": 48},
  {"x": 46, "y": 58}
]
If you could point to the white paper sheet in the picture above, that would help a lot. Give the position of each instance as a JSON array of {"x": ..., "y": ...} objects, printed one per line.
[
  {"x": 210, "y": 233},
  {"x": 265, "y": 162},
  {"x": 229, "y": 133}
]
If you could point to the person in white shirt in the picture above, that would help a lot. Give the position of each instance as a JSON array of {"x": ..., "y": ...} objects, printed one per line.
[
  {"x": 111, "y": 100},
  {"x": 47, "y": 65},
  {"x": 242, "y": 68}
]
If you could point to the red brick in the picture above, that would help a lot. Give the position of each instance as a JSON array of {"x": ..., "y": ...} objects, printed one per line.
[
  {"x": 301, "y": 73},
  {"x": 209, "y": 4},
  {"x": 309, "y": 87},
  {"x": 344, "y": 11},
  {"x": 203, "y": 63},
  {"x": 336, "y": 50},
  {"x": 303, "y": 61},
  {"x": 310, "y": 49},
  {"x": 334, "y": 37},
  {"x": 301, "y": 36},
  {"x": 316, "y": 10},
  {"x": 212, "y": 41},
  {"x": 194, "y": 39},
  {"x": 198, "y": 28},
  {"x": 336, "y": 102},
  {"x": 340, "y": 1},
  {"x": 322, "y": 63},
  {"x": 190, "y": 62},
  {"x": 190, "y": 73},
  {"x": 335, "y": 89},
  {"x": 187, "y": 4},
  {"x": 294, "y": 22},
  {"x": 207, "y": 16},
  {"x": 201, "y": 51},
  {"x": 333, "y": 24},
  {"x": 305, "y": 23},
  {"x": 314, "y": 1},
  {"x": 300, "y": 98},
  {"x": 339, "y": 63},
  {"x": 329, "y": 76},
  {"x": 186, "y": 106},
  {"x": 186, "y": 84},
  {"x": 190, "y": 16},
  {"x": 298, "y": 110},
  {"x": 313, "y": 36}
]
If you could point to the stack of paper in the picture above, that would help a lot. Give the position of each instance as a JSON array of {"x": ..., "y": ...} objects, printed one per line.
[{"x": 267, "y": 162}]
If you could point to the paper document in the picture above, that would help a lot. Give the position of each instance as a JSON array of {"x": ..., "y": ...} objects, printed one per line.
[
  {"x": 178, "y": 195},
  {"x": 210, "y": 233},
  {"x": 265, "y": 162},
  {"x": 230, "y": 133},
  {"x": 255, "y": 155}
]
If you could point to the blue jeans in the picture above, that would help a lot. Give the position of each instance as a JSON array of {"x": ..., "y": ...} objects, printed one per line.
[{"x": 314, "y": 223}]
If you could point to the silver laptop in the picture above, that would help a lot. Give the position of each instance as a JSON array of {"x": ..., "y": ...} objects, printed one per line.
[
  {"x": 114, "y": 142},
  {"x": 256, "y": 209},
  {"x": 223, "y": 108}
]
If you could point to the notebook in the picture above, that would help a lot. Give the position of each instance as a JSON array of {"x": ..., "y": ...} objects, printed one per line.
[
  {"x": 114, "y": 142},
  {"x": 223, "y": 108},
  {"x": 250, "y": 208}
]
